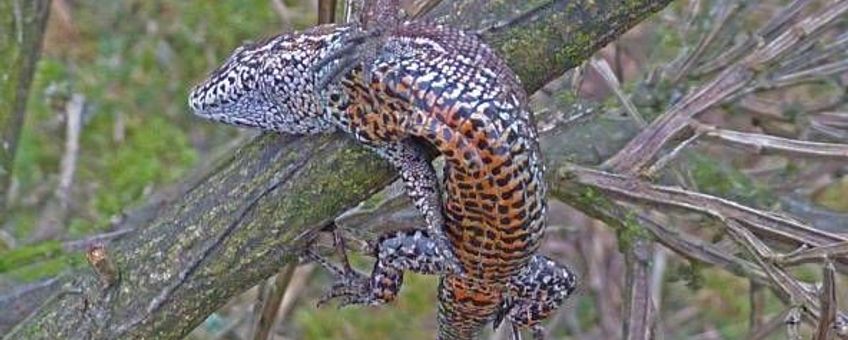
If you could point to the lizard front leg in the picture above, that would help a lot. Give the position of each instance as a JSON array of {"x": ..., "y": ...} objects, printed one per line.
[
  {"x": 422, "y": 251},
  {"x": 535, "y": 293},
  {"x": 423, "y": 189},
  {"x": 396, "y": 252}
]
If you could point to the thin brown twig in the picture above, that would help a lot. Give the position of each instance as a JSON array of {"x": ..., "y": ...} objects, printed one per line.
[
  {"x": 765, "y": 144},
  {"x": 695, "y": 249},
  {"x": 776, "y": 110},
  {"x": 419, "y": 8},
  {"x": 765, "y": 329},
  {"x": 827, "y": 298},
  {"x": 663, "y": 161},
  {"x": 84, "y": 243},
  {"x": 724, "y": 13},
  {"x": 818, "y": 53},
  {"x": 300, "y": 280},
  {"x": 634, "y": 190},
  {"x": 326, "y": 11},
  {"x": 801, "y": 295},
  {"x": 757, "y": 301},
  {"x": 813, "y": 74},
  {"x": 639, "y": 152},
  {"x": 603, "y": 68},
  {"x": 640, "y": 315},
  {"x": 271, "y": 303},
  {"x": 780, "y": 19},
  {"x": 832, "y": 251}
]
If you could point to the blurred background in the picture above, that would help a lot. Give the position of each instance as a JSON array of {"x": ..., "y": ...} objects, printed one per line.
[{"x": 124, "y": 68}]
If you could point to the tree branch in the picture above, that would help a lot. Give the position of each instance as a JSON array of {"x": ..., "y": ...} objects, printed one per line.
[
  {"x": 258, "y": 208},
  {"x": 733, "y": 80}
]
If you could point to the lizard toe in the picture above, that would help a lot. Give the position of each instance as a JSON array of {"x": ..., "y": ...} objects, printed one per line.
[{"x": 348, "y": 290}]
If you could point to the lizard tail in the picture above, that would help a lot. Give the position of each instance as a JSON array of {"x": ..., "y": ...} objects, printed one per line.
[{"x": 465, "y": 308}]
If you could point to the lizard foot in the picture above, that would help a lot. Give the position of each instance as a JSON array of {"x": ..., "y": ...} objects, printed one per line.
[
  {"x": 352, "y": 287},
  {"x": 535, "y": 293},
  {"x": 396, "y": 252}
]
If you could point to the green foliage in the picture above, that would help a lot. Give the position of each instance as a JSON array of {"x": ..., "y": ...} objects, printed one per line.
[
  {"x": 412, "y": 314},
  {"x": 716, "y": 178},
  {"x": 833, "y": 196},
  {"x": 28, "y": 255},
  {"x": 33, "y": 262},
  {"x": 159, "y": 155},
  {"x": 691, "y": 274},
  {"x": 134, "y": 61}
]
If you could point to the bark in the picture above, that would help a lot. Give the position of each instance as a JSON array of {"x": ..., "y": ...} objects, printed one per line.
[
  {"x": 22, "y": 25},
  {"x": 255, "y": 210}
]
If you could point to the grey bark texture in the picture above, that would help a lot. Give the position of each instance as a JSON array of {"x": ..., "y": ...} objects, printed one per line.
[{"x": 255, "y": 210}]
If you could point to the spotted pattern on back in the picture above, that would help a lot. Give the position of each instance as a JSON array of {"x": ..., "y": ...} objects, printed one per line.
[
  {"x": 433, "y": 84},
  {"x": 455, "y": 98}
]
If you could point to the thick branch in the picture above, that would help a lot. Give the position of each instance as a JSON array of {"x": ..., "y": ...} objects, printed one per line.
[
  {"x": 258, "y": 208},
  {"x": 549, "y": 37},
  {"x": 235, "y": 228}
]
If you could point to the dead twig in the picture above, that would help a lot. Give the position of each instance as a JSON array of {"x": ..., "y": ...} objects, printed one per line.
[
  {"x": 603, "y": 68},
  {"x": 68, "y": 165},
  {"x": 640, "y": 315},
  {"x": 764, "y": 144},
  {"x": 757, "y": 301},
  {"x": 326, "y": 11},
  {"x": 830, "y": 251},
  {"x": 639, "y": 152},
  {"x": 270, "y": 303},
  {"x": 764, "y": 330},
  {"x": 775, "y": 227},
  {"x": 827, "y": 298},
  {"x": 779, "y": 20},
  {"x": 724, "y": 13}
]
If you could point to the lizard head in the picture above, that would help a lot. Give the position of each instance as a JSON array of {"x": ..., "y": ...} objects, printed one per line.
[{"x": 268, "y": 85}]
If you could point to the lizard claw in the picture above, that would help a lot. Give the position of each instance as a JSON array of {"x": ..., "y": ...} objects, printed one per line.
[
  {"x": 350, "y": 286},
  {"x": 351, "y": 289}
]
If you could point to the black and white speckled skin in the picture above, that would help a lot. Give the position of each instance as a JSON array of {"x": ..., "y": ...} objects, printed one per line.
[{"x": 425, "y": 84}]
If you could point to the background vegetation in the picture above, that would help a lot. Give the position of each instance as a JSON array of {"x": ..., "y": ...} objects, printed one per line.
[{"x": 131, "y": 63}]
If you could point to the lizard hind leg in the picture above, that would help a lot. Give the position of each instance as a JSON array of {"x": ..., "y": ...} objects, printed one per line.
[
  {"x": 396, "y": 252},
  {"x": 534, "y": 294}
]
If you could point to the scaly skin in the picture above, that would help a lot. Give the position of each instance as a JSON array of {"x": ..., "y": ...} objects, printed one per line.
[{"x": 423, "y": 85}]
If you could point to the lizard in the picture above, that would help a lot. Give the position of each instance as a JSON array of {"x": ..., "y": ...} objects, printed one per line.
[{"x": 423, "y": 86}]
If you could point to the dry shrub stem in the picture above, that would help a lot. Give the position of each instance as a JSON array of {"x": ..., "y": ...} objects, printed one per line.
[{"x": 625, "y": 194}]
